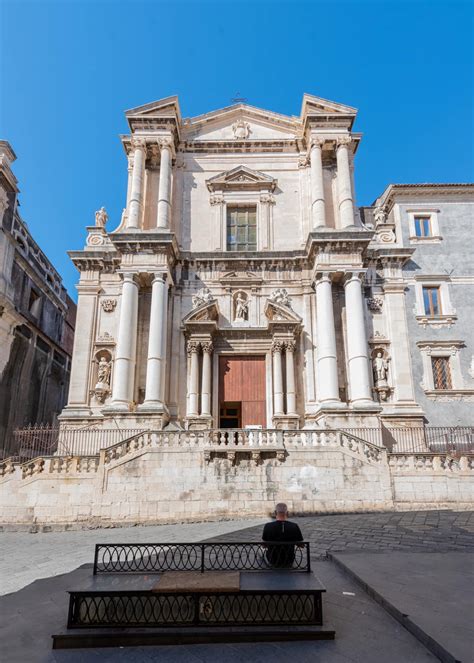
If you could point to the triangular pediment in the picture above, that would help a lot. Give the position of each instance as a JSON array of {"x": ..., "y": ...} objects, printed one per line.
[
  {"x": 318, "y": 105},
  {"x": 241, "y": 177},
  {"x": 161, "y": 107},
  {"x": 279, "y": 313},
  {"x": 205, "y": 313}
]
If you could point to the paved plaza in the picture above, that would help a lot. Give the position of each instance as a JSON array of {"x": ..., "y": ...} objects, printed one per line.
[{"x": 376, "y": 549}]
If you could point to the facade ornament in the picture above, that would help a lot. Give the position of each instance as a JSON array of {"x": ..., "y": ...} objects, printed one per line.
[
  {"x": 380, "y": 215},
  {"x": 102, "y": 387},
  {"x": 267, "y": 198},
  {"x": 108, "y": 305},
  {"x": 101, "y": 218},
  {"x": 375, "y": 304},
  {"x": 317, "y": 141},
  {"x": 138, "y": 143},
  {"x": 386, "y": 236},
  {"x": 277, "y": 346},
  {"x": 192, "y": 347},
  {"x": 344, "y": 141},
  {"x": 216, "y": 199},
  {"x": 105, "y": 338},
  {"x": 207, "y": 347},
  {"x": 241, "y": 307},
  {"x": 165, "y": 143},
  {"x": 204, "y": 296},
  {"x": 303, "y": 161},
  {"x": 154, "y": 155},
  {"x": 290, "y": 345},
  {"x": 3, "y": 203},
  {"x": 281, "y": 296},
  {"x": 380, "y": 364},
  {"x": 241, "y": 130}
]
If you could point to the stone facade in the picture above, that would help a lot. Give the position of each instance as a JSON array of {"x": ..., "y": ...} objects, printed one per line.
[
  {"x": 37, "y": 320},
  {"x": 241, "y": 238},
  {"x": 160, "y": 476}
]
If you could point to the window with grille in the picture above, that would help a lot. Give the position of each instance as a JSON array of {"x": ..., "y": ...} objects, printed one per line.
[
  {"x": 431, "y": 300},
  {"x": 441, "y": 372},
  {"x": 423, "y": 226},
  {"x": 241, "y": 228}
]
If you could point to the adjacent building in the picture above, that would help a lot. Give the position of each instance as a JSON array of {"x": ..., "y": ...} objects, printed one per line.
[
  {"x": 37, "y": 320},
  {"x": 243, "y": 287}
]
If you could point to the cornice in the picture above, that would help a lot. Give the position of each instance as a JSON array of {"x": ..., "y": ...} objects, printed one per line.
[
  {"x": 394, "y": 191},
  {"x": 145, "y": 242},
  {"x": 94, "y": 260}
]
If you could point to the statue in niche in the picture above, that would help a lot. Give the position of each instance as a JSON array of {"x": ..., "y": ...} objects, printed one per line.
[
  {"x": 241, "y": 307},
  {"x": 380, "y": 365},
  {"x": 204, "y": 296},
  {"x": 102, "y": 388},
  {"x": 281, "y": 296},
  {"x": 101, "y": 218}
]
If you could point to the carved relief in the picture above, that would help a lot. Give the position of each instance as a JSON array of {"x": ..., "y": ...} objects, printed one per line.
[
  {"x": 108, "y": 305},
  {"x": 241, "y": 130},
  {"x": 204, "y": 296},
  {"x": 386, "y": 236},
  {"x": 281, "y": 296},
  {"x": 375, "y": 304}
]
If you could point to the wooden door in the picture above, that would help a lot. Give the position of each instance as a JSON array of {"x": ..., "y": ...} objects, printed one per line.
[{"x": 242, "y": 380}]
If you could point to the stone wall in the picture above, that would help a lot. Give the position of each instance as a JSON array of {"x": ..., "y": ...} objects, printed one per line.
[{"x": 158, "y": 478}]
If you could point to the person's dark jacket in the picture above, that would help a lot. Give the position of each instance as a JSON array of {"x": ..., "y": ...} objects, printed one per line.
[{"x": 284, "y": 531}]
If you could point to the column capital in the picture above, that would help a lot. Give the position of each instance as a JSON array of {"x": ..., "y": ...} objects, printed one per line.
[
  {"x": 323, "y": 277},
  {"x": 277, "y": 346},
  {"x": 192, "y": 347},
  {"x": 129, "y": 277},
  {"x": 207, "y": 347},
  {"x": 343, "y": 141},
  {"x": 290, "y": 345},
  {"x": 317, "y": 142},
  {"x": 356, "y": 275},
  {"x": 166, "y": 143},
  {"x": 138, "y": 143},
  {"x": 158, "y": 276}
]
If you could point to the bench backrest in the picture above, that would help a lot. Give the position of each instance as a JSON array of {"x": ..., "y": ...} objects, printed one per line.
[{"x": 159, "y": 557}]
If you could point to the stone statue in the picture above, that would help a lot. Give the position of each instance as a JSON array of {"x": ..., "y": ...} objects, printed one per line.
[
  {"x": 281, "y": 296},
  {"x": 101, "y": 218},
  {"x": 204, "y": 296},
  {"x": 380, "y": 365},
  {"x": 380, "y": 215},
  {"x": 241, "y": 307},
  {"x": 103, "y": 372}
]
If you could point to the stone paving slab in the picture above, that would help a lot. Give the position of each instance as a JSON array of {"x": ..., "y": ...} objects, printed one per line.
[
  {"x": 432, "y": 594},
  {"x": 365, "y": 633}
]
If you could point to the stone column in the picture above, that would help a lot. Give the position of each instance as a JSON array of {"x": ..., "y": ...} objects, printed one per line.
[
  {"x": 193, "y": 395},
  {"x": 318, "y": 209},
  {"x": 206, "y": 379},
  {"x": 138, "y": 174},
  {"x": 327, "y": 385},
  {"x": 290, "y": 347},
  {"x": 357, "y": 346},
  {"x": 156, "y": 344},
  {"x": 346, "y": 206},
  {"x": 277, "y": 378},
  {"x": 125, "y": 356},
  {"x": 164, "y": 189}
]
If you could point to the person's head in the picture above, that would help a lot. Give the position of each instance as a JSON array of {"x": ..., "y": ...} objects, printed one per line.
[{"x": 281, "y": 511}]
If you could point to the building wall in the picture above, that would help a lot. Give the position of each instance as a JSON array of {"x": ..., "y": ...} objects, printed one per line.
[{"x": 37, "y": 322}]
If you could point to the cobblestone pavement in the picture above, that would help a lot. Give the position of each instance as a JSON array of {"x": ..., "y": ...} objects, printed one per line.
[{"x": 414, "y": 531}]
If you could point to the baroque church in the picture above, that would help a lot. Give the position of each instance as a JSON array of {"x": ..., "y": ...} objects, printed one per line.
[{"x": 244, "y": 289}]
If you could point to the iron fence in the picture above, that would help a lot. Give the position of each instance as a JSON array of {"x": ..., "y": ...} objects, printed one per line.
[
  {"x": 159, "y": 557},
  {"x": 36, "y": 441},
  {"x": 417, "y": 439}
]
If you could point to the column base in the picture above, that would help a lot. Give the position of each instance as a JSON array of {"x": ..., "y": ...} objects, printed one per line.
[
  {"x": 153, "y": 407},
  {"x": 118, "y": 406},
  {"x": 199, "y": 422},
  {"x": 286, "y": 421},
  {"x": 366, "y": 405},
  {"x": 75, "y": 412}
]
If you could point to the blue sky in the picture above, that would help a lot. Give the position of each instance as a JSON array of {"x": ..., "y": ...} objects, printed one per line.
[{"x": 70, "y": 69}]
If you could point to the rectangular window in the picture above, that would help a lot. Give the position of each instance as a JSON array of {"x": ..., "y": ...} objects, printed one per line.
[
  {"x": 441, "y": 372},
  {"x": 241, "y": 228},
  {"x": 431, "y": 300},
  {"x": 423, "y": 226}
]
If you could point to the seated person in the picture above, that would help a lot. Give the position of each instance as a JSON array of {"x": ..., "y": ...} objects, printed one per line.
[{"x": 281, "y": 529}]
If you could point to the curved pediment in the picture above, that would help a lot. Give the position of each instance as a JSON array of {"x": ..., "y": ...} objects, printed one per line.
[
  {"x": 205, "y": 312},
  {"x": 241, "y": 178},
  {"x": 277, "y": 313}
]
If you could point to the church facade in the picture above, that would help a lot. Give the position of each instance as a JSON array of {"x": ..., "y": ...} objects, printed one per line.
[{"x": 244, "y": 289}]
